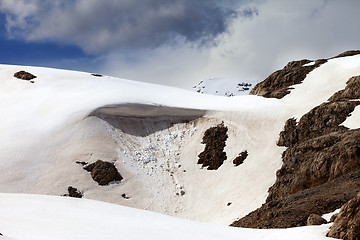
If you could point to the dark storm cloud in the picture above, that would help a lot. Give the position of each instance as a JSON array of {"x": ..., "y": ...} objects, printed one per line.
[{"x": 99, "y": 26}]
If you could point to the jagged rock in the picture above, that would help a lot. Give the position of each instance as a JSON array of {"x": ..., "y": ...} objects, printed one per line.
[
  {"x": 277, "y": 84},
  {"x": 73, "y": 192},
  {"x": 241, "y": 158},
  {"x": 315, "y": 219},
  {"x": 103, "y": 172},
  {"x": 322, "y": 158},
  {"x": 294, "y": 210},
  {"x": 348, "y": 53},
  {"x": 318, "y": 149},
  {"x": 289, "y": 135},
  {"x": 352, "y": 90},
  {"x": 213, "y": 155},
  {"x": 347, "y": 224},
  {"x": 333, "y": 217},
  {"x": 24, "y": 75}
]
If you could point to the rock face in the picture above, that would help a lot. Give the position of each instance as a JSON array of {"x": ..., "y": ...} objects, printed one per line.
[
  {"x": 73, "y": 192},
  {"x": 241, "y": 158},
  {"x": 347, "y": 224},
  {"x": 321, "y": 161},
  {"x": 103, "y": 172},
  {"x": 315, "y": 219},
  {"x": 24, "y": 75},
  {"x": 294, "y": 210},
  {"x": 277, "y": 84},
  {"x": 213, "y": 155}
]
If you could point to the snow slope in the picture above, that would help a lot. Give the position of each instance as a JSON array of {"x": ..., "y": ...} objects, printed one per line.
[
  {"x": 153, "y": 136},
  {"x": 34, "y": 217},
  {"x": 228, "y": 87}
]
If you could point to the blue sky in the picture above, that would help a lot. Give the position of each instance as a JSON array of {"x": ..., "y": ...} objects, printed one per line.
[{"x": 178, "y": 42}]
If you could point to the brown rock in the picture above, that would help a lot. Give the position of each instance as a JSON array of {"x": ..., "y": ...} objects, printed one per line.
[
  {"x": 321, "y": 166},
  {"x": 347, "y": 224},
  {"x": 348, "y": 53},
  {"x": 213, "y": 155},
  {"x": 277, "y": 85},
  {"x": 315, "y": 219},
  {"x": 294, "y": 210},
  {"x": 103, "y": 172},
  {"x": 24, "y": 75},
  {"x": 333, "y": 217},
  {"x": 352, "y": 90},
  {"x": 241, "y": 158},
  {"x": 73, "y": 192}
]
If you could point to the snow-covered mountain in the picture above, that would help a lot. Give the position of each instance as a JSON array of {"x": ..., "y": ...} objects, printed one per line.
[
  {"x": 58, "y": 124},
  {"x": 228, "y": 87}
]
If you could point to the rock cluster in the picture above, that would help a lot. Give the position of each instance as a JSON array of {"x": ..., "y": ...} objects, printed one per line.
[
  {"x": 103, "y": 172},
  {"x": 213, "y": 155},
  {"x": 347, "y": 223},
  {"x": 321, "y": 165}
]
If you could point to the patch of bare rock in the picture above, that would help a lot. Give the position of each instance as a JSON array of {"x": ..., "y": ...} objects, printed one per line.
[
  {"x": 315, "y": 219},
  {"x": 321, "y": 165},
  {"x": 213, "y": 155},
  {"x": 103, "y": 172},
  {"x": 73, "y": 192},
  {"x": 24, "y": 75},
  {"x": 348, "y": 53},
  {"x": 241, "y": 158},
  {"x": 347, "y": 223},
  {"x": 279, "y": 83}
]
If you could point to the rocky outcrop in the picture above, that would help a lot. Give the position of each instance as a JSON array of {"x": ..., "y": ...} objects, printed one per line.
[
  {"x": 103, "y": 172},
  {"x": 352, "y": 90},
  {"x": 24, "y": 75},
  {"x": 347, "y": 223},
  {"x": 315, "y": 219},
  {"x": 348, "y": 53},
  {"x": 241, "y": 158},
  {"x": 213, "y": 155},
  {"x": 294, "y": 210},
  {"x": 277, "y": 85},
  {"x": 73, "y": 192},
  {"x": 322, "y": 158}
]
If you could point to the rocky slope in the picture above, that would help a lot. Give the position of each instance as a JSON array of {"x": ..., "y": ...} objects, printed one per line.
[{"x": 321, "y": 164}]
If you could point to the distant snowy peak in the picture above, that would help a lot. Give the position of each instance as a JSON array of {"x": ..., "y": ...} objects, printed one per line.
[{"x": 224, "y": 87}]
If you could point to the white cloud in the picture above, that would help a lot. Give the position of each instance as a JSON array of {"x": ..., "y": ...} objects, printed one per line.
[{"x": 263, "y": 38}]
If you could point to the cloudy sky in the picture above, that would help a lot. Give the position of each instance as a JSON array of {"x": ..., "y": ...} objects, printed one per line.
[{"x": 175, "y": 42}]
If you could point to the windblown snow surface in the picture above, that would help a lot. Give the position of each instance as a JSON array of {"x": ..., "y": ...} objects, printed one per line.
[
  {"x": 228, "y": 87},
  {"x": 153, "y": 135}
]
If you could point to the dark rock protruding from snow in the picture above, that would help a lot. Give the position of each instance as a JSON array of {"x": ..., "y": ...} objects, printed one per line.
[
  {"x": 24, "y": 75},
  {"x": 103, "y": 172},
  {"x": 348, "y": 53},
  {"x": 352, "y": 91},
  {"x": 347, "y": 224},
  {"x": 315, "y": 219},
  {"x": 241, "y": 158},
  {"x": 73, "y": 192},
  {"x": 213, "y": 156},
  {"x": 294, "y": 210},
  {"x": 322, "y": 158},
  {"x": 277, "y": 85},
  {"x": 96, "y": 75}
]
